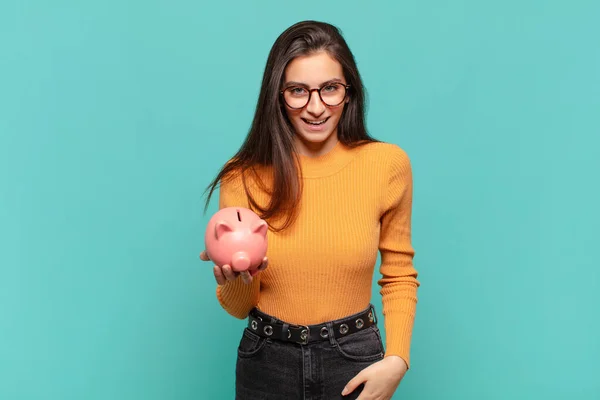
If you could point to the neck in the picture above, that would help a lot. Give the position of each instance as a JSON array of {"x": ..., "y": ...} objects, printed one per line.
[{"x": 312, "y": 149}]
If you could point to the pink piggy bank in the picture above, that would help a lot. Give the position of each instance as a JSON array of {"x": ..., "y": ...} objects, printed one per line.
[{"x": 236, "y": 236}]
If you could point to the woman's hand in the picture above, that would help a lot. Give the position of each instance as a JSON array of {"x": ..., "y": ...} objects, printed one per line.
[
  {"x": 381, "y": 379},
  {"x": 225, "y": 273}
]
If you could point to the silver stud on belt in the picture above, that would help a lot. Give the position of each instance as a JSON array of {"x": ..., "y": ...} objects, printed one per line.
[
  {"x": 254, "y": 324},
  {"x": 268, "y": 330},
  {"x": 343, "y": 329},
  {"x": 324, "y": 332},
  {"x": 359, "y": 323}
]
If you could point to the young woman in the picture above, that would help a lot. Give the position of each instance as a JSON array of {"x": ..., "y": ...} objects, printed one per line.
[{"x": 333, "y": 197}]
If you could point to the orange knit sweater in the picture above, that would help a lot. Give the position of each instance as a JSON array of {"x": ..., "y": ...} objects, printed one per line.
[{"x": 355, "y": 202}]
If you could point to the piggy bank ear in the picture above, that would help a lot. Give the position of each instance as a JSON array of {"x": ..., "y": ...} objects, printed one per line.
[
  {"x": 260, "y": 227},
  {"x": 221, "y": 228}
]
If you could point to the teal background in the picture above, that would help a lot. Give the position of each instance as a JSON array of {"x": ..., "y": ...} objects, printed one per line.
[{"x": 115, "y": 115}]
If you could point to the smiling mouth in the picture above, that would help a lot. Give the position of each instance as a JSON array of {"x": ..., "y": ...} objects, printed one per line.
[{"x": 315, "y": 123}]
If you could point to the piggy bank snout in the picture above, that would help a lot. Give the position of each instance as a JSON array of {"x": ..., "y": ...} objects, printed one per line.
[{"x": 240, "y": 261}]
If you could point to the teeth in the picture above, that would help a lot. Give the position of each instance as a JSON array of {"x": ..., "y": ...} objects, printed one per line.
[{"x": 316, "y": 122}]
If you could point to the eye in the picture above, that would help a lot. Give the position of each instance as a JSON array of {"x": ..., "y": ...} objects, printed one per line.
[
  {"x": 330, "y": 88},
  {"x": 297, "y": 91}
]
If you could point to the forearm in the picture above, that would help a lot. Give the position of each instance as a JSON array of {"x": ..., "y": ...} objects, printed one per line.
[{"x": 399, "y": 300}]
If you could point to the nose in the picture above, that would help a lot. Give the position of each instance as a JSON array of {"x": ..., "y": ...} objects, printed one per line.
[
  {"x": 240, "y": 261},
  {"x": 315, "y": 106}
]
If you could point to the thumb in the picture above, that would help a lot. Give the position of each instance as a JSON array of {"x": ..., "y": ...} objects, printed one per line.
[
  {"x": 354, "y": 383},
  {"x": 204, "y": 256}
]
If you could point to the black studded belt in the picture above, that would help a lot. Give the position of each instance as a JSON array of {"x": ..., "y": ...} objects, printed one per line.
[{"x": 271, "y": 327}]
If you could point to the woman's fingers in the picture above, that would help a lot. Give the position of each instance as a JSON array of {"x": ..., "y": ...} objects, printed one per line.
[
  {"x": 226, "y": 273},
  {"x": 246, "y": 277},
  {"x": 260, "y": 268},
  {"x": 230, "y": 275},
  {"x": 204, "y": 256},
  {"x": 219, "y": 275},
  {"x": 264, "y": 264}
]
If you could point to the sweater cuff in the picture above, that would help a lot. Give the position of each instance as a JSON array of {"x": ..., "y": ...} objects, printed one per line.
[
  {"x": 237, "y": 297},
  {"x": 398, "y": 328}
]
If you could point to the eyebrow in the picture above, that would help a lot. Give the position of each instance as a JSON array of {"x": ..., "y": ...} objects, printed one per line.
[{"x": 294, "y": 83}]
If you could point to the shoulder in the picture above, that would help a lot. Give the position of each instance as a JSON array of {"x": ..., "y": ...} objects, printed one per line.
[
  {"x": 231, "y": 180},
  {"x": 231, "y": 190},
  {"x": 390, "y": 154},
  {"x": 244, "y": 181},
  {"x": 232, "y": 175}
]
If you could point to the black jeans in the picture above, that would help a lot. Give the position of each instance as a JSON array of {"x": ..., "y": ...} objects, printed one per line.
[{"x": 269, "y": 369}]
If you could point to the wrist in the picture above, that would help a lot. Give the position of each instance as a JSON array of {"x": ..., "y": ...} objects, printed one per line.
[{"x": 397, "y": 360}]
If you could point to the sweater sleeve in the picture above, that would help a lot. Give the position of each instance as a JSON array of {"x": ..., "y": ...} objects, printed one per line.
[
  {"x": 399, "y": 278},
  {"x": 236, "y": 297}
]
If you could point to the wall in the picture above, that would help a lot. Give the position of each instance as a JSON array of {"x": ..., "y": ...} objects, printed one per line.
[{"x": 115, "y": 115}]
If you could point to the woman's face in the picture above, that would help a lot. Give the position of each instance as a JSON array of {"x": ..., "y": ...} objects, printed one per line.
[{"x": 316, "y": 123}]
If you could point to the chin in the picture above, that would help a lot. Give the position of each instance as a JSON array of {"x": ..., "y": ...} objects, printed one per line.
[{"x": 315, "y": 138}]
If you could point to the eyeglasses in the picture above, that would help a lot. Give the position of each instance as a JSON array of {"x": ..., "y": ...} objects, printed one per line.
[{"x": 332, "y": 94}]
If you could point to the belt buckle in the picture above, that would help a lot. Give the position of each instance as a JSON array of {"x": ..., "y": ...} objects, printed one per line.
[{"x": 304, "y": 334}]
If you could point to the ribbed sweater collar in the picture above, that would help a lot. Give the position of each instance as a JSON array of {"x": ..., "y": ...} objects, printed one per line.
[{"x": 327, "y": 164}]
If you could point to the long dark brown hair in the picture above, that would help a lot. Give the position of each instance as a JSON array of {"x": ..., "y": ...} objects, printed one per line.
[{"x": 270, "y": 141}]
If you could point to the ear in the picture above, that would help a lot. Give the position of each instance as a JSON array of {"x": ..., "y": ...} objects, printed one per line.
[
  {"x": 221, "y": 228},
  {"x": 260, "y": 227}
]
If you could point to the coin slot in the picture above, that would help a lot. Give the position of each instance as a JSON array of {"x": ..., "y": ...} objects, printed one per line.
[{"x": 239, "y": 216}]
